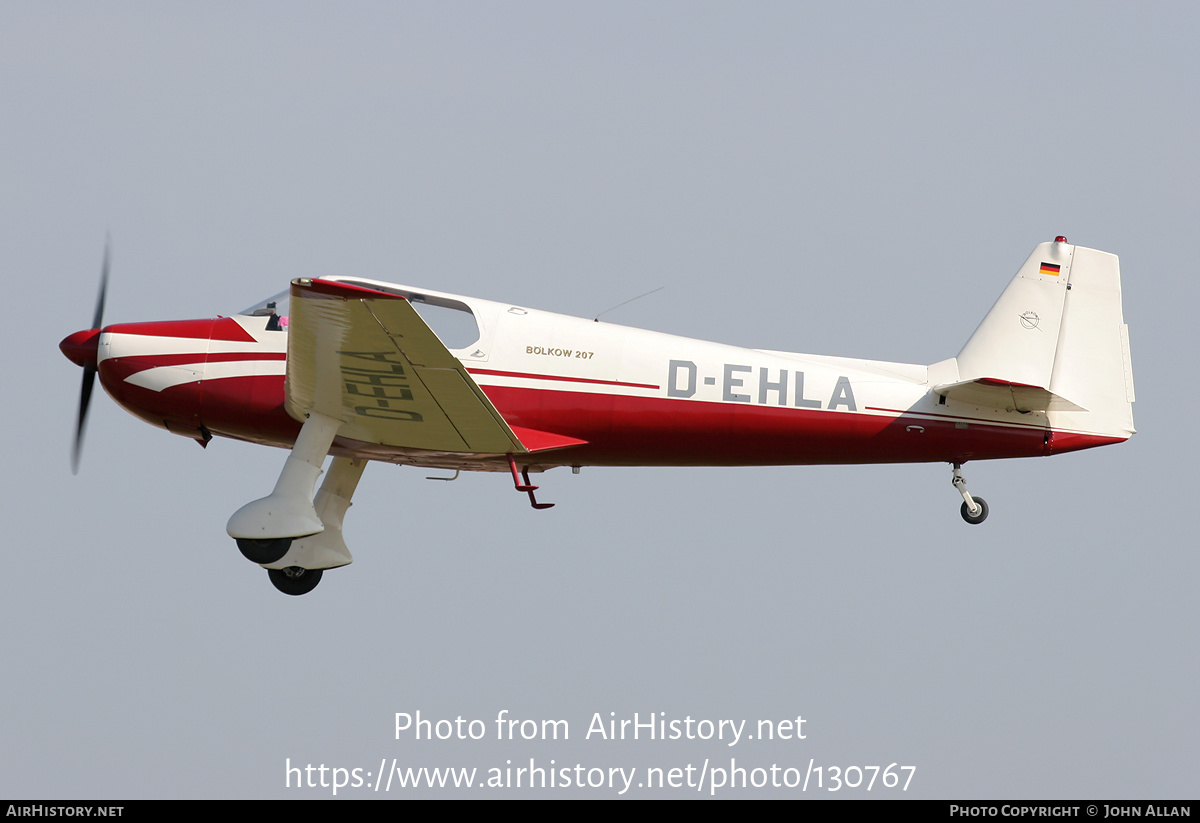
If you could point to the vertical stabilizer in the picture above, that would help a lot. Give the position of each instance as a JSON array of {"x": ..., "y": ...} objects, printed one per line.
[{"x": 1017, "y": 341}]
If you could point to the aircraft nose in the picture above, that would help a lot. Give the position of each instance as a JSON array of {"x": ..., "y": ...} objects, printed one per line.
[{"x": 81, "y": 347}]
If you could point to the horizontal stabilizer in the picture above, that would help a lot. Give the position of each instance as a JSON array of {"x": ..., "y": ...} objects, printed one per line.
[{"x": 1002, "y": 394}]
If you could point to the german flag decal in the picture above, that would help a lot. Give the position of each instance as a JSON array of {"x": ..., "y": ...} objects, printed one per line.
[{"x": 1050, "y": 268}]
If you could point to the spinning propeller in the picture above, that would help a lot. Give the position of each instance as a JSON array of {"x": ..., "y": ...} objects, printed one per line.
[{"x": 82, "y": 348}]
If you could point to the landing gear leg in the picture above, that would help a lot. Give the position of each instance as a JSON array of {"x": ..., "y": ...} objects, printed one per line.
[
  {"x": 327, "y": 550},
  {"x": 974, "y": 509},
  {"x": 288, "y": 511}
]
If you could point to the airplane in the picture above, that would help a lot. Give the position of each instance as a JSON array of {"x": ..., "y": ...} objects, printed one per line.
[{"x": 365, "y": 370}]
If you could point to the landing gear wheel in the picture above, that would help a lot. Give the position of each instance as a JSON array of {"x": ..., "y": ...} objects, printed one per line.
[
  {"x": 975, "y": 519},
  {"x": 264, "y": 551},
  {"x": 295, "y": 580}
]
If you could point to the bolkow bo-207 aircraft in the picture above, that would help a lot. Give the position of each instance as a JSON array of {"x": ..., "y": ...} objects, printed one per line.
[{"x": 349, "y": 367}]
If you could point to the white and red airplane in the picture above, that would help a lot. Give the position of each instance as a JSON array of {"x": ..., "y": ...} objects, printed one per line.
[{"x": 353, "y": 368}]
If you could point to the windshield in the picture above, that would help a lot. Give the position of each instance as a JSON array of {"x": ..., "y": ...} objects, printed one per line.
[{"x": 274, "y": 308}]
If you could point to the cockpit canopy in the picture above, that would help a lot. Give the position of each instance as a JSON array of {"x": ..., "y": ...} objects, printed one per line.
[
  {"x": 451, "y": 320},
  {"x": 277, "y": 306}
]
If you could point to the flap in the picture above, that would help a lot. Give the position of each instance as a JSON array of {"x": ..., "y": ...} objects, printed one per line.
[{"x": 367, "y": 358}]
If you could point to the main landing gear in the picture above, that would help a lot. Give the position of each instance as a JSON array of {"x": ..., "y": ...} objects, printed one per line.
[
  {"x": 294, "y": 579},
  {"x": 264, "y": 552},
  {"x": 974, "y": 509},
  {"x": 293, "y": 532}
]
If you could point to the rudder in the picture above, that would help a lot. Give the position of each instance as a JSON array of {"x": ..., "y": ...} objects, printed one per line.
[{"x": 1092, "y": 364}]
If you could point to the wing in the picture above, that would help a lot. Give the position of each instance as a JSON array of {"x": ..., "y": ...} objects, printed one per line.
[{"x": 367, "y": 358}]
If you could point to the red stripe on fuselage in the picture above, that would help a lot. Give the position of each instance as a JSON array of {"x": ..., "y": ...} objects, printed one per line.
[
  {"x": 528, "y": 376},
  {"x": 623, "y": 430},
  {"x": 220, "y": 328},
  {"x": 140, "y": 362}
]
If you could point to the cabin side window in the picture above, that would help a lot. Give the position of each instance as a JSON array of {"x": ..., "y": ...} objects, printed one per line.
[{"x": 453, "y": 322}]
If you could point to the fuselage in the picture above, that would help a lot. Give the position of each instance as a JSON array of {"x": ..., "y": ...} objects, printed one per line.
[{"x": 634, "y": 397}]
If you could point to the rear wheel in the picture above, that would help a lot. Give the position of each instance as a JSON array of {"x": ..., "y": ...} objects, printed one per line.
[
  {"x": 295, "y": 580},
  {"x": 974, "y": 519}
]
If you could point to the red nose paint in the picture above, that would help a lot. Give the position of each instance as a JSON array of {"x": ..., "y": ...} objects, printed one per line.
[{"x": 80, "y": 347}]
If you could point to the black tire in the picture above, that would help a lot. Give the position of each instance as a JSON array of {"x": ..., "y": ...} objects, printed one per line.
[
  {"x": 264, "y": 551},
  {"x": 295, "y": 580},
  {"x": 975, "y": 519}
]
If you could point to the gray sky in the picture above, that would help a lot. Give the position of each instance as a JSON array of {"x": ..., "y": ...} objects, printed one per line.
[{"x": 854, "y": 179}]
